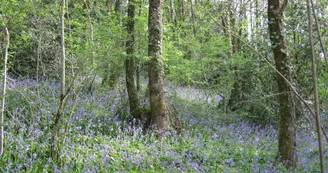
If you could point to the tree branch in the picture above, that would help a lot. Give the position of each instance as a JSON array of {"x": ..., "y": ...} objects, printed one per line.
[{"x": 283, "y": 6}]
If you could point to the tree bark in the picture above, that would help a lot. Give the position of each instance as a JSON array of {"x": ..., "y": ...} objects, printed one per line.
[
  {"x": 159, "y": 112},
  {"x": 130, "y": 64},
  {"x": 287, "y": 127}
]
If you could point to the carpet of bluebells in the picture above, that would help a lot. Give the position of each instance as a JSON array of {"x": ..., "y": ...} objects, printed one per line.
[{"x": 100, "y": 137}]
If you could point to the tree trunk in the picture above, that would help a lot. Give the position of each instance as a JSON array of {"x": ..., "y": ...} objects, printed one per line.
[
  {"x": 181, "y": 10},
  {"x": 63, "y": 58},
  {"x": 6, "y": 33},
  {"x": 287, "y": 127},
  {"x": 234, "y": 40},
  {"x": 239, "y": 84},
  {"x": 172, "y": 13},
  {"x": 54, "y": 145},
  {"x": 130, "y": 64},
  {"x": 315, "y": 89},
  {"x": 224, "y": 24},
  {"x": 109, "y": 5},
  {"x": 257, "y": 16},
  {"x": 159, "y": 112},
  {"x": 87, "y": 5},
  {"x": 117, "y": 8},
  {"x": 139, "y": 64},
  {"x": 242, "y": 16},
  {"x": 138, "y": 73},
  {"x": 193, "y": 16},
  {"x": 111, "y": 71}
]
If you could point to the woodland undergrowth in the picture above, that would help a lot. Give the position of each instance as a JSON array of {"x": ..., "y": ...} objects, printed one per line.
[{"x": 99, "y": 136}]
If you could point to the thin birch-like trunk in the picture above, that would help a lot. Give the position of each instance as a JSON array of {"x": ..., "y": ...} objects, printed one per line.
[
  {"x": 54, "y": 146},
  {"x": 315, "y": 88},
  {"x": 63, "y": 58},
  {"x": 4, "y": 91}
]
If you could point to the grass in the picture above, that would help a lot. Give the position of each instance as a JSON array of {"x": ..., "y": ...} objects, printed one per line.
[{"x": 98, "y": 139}]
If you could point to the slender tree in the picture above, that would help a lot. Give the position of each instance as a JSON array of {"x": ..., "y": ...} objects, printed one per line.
[
  {"x": 117, "y": 9},
  {"x": 315, "y": 88},
  {"x": 92, "y": 45},
  {"x": 322, "y": 44},
  {"x": 109, "y": 5},
  {"x": 111, "y": 70},
  {"x": 130, "y": 64},
  {"x": 181, "y": 10},
  {"x": 233, "y": 26},
  {"x": 4, "y": 90},
  {"x": 287, "y": 126},
  {"x": 159, "y": 112},
  {"x": 139, "y": 64},
  {"x": 54, "y": 148},
  {"x": 63, "y": 58},
  {"x": 193, "y": 16},
  {"x": 172, "y": 13},
  {"x": 90, "y": 20}
]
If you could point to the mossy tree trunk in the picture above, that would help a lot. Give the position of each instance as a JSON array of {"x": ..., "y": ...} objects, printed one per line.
[
  {"x": 159, "y": 112},
  {"x": 130, "y": 64},
  {"x": 287, "y": 126}
]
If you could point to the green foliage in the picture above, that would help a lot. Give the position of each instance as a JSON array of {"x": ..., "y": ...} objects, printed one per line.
[
  {"x": 28, "y": 31},
  {"x": 188, "y": 60}
]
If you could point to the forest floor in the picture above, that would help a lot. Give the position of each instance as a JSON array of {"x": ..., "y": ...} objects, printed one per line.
[{"x": 98, "y": 139}]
